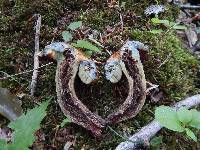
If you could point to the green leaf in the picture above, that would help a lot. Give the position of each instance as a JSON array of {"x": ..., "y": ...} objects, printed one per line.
[
  {"x": 156, "y": 141},
  {"x": 195, "y": 119},
  {"x": 158, "y": 21},
  {"x": 191, "y": 134},
  {"x": 156, "y": 31},
  {"x": 179, "y": 27},
  {"x": 87, "y": 45},
  {"x": 67, "y": 36},
  {"x": 165, "y": 22},
  {"x": 88, "y": 53},
  {"x": 184, "y": 115},
  {"x": 155, "y": 20},
  {"x": 25, "y": 126},
  {"x": 171, "y": 24},
  {"x": 3, "y": 144},
  {"x": 123, "y": 4},
  {"x": 64, "y": 122},
  {"x": 75, "y": 25},
  {"x": 168, "y": 118}
]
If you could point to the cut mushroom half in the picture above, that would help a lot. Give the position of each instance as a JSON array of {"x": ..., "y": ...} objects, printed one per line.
[
  {"x": 69, "y": 61},
  {"x": 128, "y": 60}
]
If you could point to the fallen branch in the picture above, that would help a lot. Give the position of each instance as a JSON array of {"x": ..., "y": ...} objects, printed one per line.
[
  {"x": 189, "y": 6},
  {"x": 148, "y": 131},
  {"x": 36, "y": 59}
]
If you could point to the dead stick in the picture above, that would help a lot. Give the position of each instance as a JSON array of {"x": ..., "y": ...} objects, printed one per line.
[
  {"x": 121, "y": 21},
  {"x": 36, "y": 59},
  {"x": 189, "y": 6},
  {"x": 152, "y": 128}
]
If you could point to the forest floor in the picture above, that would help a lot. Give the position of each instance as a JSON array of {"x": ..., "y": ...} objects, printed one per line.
[{"x": 170, "y": 63}]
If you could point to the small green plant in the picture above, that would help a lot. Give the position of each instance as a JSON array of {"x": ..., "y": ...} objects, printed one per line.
[
  {"x": 180, "y": 121},
  {"x": 166, "y": 23},
  {"x": 67, "y": 36},
  {"x": 24, "y": 128}
]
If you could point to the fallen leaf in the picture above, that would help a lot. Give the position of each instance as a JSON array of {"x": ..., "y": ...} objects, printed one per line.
[{"x": 10, "y": 107}]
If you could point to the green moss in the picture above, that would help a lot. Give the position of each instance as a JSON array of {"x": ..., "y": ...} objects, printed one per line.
[
  {"x": 169, "y": 65},
  {"x": 99, "y": 19},
  {"x": 176, "y": 77},
  {"x": 22, "y": 10}
]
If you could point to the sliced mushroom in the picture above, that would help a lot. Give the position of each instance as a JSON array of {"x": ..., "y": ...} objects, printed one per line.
[
  {"x": 67, "y": 68},
  {"x": 71, "y": 62},
  {"x": 129, "y": 60}
]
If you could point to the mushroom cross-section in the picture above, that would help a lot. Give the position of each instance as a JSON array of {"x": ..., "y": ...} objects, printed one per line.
[{"x": 72, "y": 62}]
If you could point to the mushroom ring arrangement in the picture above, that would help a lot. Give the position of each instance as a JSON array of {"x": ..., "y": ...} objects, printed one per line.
[{"x": 72, "y": 62}]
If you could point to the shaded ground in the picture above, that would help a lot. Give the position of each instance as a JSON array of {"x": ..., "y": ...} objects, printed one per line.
[{"x": 177, "y": 78}]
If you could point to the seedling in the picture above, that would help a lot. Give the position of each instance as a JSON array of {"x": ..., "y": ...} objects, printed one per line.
[
  {"x": 180, "y": 121},
  {"x": 168, "y": 24},
  {"x": 68, "y": 36}
]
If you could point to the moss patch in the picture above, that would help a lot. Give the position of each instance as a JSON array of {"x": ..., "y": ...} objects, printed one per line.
[{"x": 169, "y": 65}]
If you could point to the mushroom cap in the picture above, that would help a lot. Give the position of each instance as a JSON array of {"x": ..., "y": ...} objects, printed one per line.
[
  {"x": 87, "y": 71},
  {"x": 113, "y": 71},
  {"x": 57, "y": 46},
  {"x": 55, "y": 50}
]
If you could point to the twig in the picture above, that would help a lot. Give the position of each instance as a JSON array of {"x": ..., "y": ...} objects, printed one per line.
[
  {"x": 153, "y": 86},
  {"x": 25, "y": 72},
  {"x": 186, "y": 6},
  {"x": 121, "y": 21},
  {"x": 68, "y": 145},
  {"x": 108, "y": 52},
  {"x": 189, "y": 6},
  {"x": 168, "y": 57},
  {"x": 56, "y": 132},
  {"x": 152, "y": 128},
  {"x": 36, "y": 59},
  {"x": 96, "y": 42}
]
